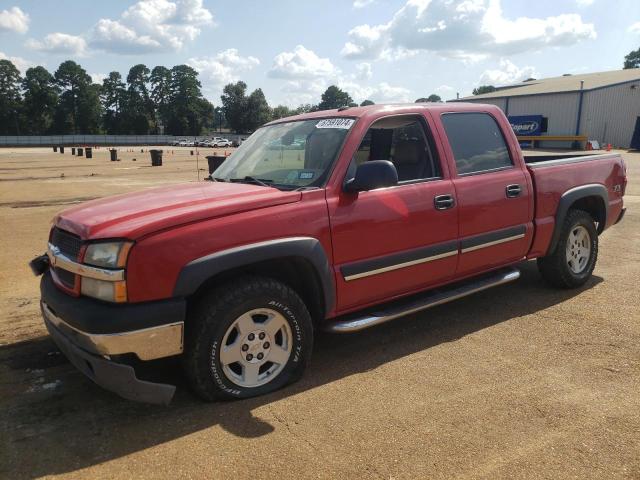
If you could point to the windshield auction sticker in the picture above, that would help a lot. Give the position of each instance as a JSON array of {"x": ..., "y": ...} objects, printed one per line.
[{"x": 343, "y": 123}]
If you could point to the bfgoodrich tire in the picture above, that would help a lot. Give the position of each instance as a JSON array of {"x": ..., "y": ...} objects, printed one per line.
[
  {"x": 246, "y": 339},
  {"x": 574, "y": 258}
]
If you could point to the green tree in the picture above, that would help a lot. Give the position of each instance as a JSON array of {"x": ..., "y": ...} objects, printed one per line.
[
  {"x": 10, "y": 100},
  {"x": 367, "y": 103},
  {"x": 188, "y": 110},
  {"x": 139, "y": 113},
  {"x": 258, "y": 112},
  {"x": 234, "y": 105},
  {"x": 433, "y": 98},
  {"x": 40, "y": 100},
  {"x": 333, "y": 97},
  {"x": 160, "y": 80},
  {"x": 304, "y": 108},
  {"x": 114, "y": 99},
  {"x": 484, "y": 89},
  {"x": 632, "y": 60},
  {"x": 79, "y": 108},
  {"x": 90, "y": 109},
  {"x": 281, "y": 111}
]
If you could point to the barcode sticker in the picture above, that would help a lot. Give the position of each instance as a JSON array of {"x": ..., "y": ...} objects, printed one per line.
[{"x": 342, "y": 123}]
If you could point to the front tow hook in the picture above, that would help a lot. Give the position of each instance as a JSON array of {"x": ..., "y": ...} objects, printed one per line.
[{"x": 39, "y": 265}]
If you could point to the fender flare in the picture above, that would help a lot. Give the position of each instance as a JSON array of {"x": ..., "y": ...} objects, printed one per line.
[
  {"x": 198, "y": 271},
  {"x": 569, "y": 198}
]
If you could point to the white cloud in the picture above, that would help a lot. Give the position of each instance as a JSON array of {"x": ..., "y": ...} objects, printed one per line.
[
  {"x": 507, "y": 73},
  {"x": 98, "y": 77},
  {"x": 223, "y": 68},
  {"x": 113, "y": 36},
  {"x": 59, "y": 43},
  {"x": 362, "y": 3},
  {"x": 634, "y": 28},
  {"x": 308, "y": 90},
  {"x": 20, "y": 63},
  {"x": 145, "y": 27},
  {"x": 468, "y": 29},
  {"x": 14, "y": 20},
  {"x": 445, "y": 91},
  {"x": 364, "y": 71},
  {"x": 301, "y": 63}
]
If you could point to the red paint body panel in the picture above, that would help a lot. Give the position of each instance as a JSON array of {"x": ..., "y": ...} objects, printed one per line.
[
  {"x": 175, "y": 225},
  {"x": 134, "y": 215}
]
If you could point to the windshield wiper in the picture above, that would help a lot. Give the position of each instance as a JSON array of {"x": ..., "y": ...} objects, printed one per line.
[{"x": 257, "y": 181}]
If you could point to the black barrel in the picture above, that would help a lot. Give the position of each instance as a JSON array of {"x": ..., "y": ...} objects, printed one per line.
[
  {"x": 61, "y": 149},
  {"x": 80, "y": 152},
  {"x": 55, "y": 149},
  {"x": 114, "y": 154},
  {"x": 214, "y": 162},
  {"x": 88, "y": 152},
  {"x": 73, "y": 150},
  {"x": 156, "y": 158}
]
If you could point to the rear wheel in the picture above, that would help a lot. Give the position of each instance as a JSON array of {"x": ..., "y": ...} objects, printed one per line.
[
  {"x": 574, "y": 258},
  {"x": 247, "y": 339}
]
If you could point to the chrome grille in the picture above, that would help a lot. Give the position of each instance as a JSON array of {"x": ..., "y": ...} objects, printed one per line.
[{"x": 68, "y": 243}]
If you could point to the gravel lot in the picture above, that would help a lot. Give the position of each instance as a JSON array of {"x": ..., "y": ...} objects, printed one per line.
[{"x": 521, "y": 381}]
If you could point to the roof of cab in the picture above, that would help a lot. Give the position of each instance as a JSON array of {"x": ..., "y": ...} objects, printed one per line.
[{"x": 389, "y": 108}]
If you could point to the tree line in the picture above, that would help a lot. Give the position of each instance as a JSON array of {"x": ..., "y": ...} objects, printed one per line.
[
  {"x": 155, "y": 101},
  {"x": 146, "y": 101}
]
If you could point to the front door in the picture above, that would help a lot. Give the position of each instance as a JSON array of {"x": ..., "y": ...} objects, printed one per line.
[{"x": 393, "y": 241}]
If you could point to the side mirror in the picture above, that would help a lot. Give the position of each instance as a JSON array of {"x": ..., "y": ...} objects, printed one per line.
[{"x": 371, "y": 175}]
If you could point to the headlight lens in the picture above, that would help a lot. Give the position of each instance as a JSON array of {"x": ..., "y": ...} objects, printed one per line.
[
  {"x": 102, "y": 290},
  {"x": 107, "y": 254}
]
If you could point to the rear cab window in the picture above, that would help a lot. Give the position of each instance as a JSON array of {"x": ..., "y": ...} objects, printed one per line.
[{"x": 477, "y": 142}]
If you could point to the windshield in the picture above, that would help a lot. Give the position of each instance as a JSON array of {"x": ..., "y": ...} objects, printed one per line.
[{"x": 287, "y": 155}]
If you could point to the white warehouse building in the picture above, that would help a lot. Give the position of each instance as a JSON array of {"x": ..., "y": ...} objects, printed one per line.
[{"x": 604, "y": 106}]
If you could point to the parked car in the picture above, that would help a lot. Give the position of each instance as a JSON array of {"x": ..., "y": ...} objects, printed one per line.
[
  {"x": 389, "y": 210},
  {"x": 220, "y": 142},
  {"x": 176, "y": 143}
]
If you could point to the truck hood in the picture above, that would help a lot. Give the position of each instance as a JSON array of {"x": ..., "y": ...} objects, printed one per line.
[{"x": 134, "y": 215}]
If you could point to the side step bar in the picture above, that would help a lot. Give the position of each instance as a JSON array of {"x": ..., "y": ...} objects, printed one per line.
[{"x": 416, "y": 303}]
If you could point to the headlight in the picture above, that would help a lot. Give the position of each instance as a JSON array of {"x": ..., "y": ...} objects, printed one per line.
[
  {"x": 107, "y": 254},
  {"x": 103, "y": 290}
]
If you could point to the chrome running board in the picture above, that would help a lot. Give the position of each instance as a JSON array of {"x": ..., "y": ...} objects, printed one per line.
[{"x": 416, "y": 303}]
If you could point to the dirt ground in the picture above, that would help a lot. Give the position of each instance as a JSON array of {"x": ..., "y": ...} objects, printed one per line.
[{"x": 521, "y": 381}]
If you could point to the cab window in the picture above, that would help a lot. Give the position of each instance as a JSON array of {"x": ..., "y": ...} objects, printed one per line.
[
  {"x": 477, "y": 142},
  {"x": 403, "y": 140}
]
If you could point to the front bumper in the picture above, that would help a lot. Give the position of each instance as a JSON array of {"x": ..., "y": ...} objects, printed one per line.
[
  {"x": 115, "y": 377},
  {"x": 90, "y": 333}
]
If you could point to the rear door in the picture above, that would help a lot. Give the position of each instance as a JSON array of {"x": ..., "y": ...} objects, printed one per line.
[{"x": 492, "y": 190}]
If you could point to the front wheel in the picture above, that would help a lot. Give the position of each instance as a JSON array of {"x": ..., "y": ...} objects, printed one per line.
[
  {"x": 247, "y": 339},
  {"x": 574, "y": 258}
]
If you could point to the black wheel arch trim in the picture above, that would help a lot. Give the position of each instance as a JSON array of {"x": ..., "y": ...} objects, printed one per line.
[
  {"x": 198, "y": 271},
  {"x": 569, "y": 198}
]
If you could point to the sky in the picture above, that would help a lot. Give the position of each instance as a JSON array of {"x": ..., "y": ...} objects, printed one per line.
[{"x": 383, "y": 50}]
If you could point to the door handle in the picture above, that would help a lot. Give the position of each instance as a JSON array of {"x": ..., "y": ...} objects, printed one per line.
[
  {"x": 444, "y": 202},
  {"x": 513, "y": 190}
]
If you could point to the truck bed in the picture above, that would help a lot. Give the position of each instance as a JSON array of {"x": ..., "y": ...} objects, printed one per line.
[{"x": 554, "y": 175}]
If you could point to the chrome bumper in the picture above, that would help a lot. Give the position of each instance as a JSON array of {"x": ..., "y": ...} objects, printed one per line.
[{"x": 147, "y": 344}]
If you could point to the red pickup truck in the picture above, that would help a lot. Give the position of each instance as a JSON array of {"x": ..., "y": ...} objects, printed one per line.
[{"x": 335, "y": 220}]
